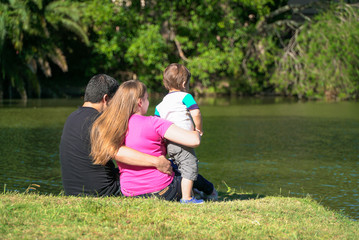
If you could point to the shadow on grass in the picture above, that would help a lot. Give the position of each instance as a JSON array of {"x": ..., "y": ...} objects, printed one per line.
[
  {"x": 238, "y": 196},
  {"x": 231, "y": 194}
]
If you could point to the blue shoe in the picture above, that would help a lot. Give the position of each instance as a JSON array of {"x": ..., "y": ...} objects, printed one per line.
[{"x": 193, "y": 200}]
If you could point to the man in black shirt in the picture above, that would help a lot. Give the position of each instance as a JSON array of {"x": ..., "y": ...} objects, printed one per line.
[{"x": 79, "y": 175}]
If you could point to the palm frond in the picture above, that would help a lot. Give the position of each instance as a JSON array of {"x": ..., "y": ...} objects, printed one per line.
[
  {"x": 32, "y": 65},
  {"x": 64, "y": 9},
  {"x": 29, "y": 35},
  {"x": 76, "y": 29},
  {"x": 2, "y": 32},
  {"x": 45, "y": 67},
  {"x": 66, "y": 15},
  {"x": 19, "y": 14},
  {"x": 59, "y": 59},
  {"x": 38, "y": 3}
]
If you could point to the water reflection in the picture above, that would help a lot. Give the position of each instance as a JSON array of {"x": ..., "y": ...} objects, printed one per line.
[
  {"x": 267, "y": 147},
  {"x": 288, "y": 149}
]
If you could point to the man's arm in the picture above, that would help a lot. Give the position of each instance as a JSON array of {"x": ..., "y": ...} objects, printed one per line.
[{"x": 132, "y": 157}]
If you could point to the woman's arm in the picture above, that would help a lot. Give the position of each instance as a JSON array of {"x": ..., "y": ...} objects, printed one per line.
[
  {"x": 133, "y": 157},
  {"x": 184, "y": 137}
]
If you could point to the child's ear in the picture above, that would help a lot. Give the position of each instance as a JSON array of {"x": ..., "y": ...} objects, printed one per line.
[{"x": 184, "y": 85}]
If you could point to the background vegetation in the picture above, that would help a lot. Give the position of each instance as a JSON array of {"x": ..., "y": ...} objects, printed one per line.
[{"x": 240, "y": 47}]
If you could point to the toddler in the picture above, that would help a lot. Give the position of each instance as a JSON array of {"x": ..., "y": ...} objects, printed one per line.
[{"x": 179, "y": 107}]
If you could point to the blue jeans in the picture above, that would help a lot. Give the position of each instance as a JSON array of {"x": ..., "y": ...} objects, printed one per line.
[{"x": 173, "y": 191}]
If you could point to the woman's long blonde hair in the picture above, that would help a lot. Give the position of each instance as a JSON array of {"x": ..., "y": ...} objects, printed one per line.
[{"x": 109, "y": 130}]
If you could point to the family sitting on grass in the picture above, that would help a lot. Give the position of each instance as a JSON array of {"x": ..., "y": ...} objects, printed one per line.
[{"x": 112, "y": 124}]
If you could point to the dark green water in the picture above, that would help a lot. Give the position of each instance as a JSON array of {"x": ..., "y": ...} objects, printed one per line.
[{"x": 268, "y": 147}]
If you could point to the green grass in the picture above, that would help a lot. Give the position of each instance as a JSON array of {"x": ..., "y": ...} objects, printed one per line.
[{"x": 36, "y": 216}]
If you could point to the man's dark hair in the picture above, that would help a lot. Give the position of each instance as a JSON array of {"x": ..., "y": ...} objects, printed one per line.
[{"x": 98, "y": 86}]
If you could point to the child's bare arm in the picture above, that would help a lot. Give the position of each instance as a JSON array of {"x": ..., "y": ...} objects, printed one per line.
[{"x": 197, "y": 119}]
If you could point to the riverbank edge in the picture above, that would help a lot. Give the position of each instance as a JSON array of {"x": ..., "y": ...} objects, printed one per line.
[{"x": 35, "y": 216}]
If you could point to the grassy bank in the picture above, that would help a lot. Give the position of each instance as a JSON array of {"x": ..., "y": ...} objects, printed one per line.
[{"x": 34, "y": 216}]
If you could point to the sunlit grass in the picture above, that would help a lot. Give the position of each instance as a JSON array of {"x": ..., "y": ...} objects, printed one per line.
[{"x": 36, "y": 216}]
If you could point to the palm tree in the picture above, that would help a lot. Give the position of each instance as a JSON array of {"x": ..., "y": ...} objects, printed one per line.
[{"x": 30, "y": 38}]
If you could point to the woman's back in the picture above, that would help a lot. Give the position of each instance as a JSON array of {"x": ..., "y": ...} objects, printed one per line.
[{"x": 145, "y": 134}]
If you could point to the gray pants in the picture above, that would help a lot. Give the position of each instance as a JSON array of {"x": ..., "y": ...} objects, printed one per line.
[{"x": 185, "y": 158}]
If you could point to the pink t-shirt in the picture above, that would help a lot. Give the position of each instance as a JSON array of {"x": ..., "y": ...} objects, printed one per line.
[{"x": 145, "y": 134}]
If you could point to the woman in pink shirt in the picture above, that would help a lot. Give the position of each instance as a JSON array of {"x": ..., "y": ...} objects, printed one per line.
[{"x": 124, "y": 123}]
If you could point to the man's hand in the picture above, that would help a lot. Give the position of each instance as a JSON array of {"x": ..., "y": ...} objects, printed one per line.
[{"x": 164, "y": 165}]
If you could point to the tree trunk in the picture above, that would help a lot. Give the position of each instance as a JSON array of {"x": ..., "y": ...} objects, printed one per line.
[
  {"x": 2, "y": 84},
  {"x": 23, "y": 94}
]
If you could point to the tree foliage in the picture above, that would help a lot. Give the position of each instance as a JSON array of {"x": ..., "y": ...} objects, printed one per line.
[
  {"x": 217, "y": 40},
  {"x": 230, "y": 46},
  {"x": 31, "y": 33},
  {"x": 323, "y": 57}
]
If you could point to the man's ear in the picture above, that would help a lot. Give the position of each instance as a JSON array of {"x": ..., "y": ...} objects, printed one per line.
[{"x": 105, "y": 99}]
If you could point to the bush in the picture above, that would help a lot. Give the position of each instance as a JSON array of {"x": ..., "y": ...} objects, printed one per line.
[{"x": 323, "y": 57}]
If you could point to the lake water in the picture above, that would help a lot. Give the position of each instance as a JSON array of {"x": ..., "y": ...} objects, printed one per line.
[{"x": 265, "y": 146}]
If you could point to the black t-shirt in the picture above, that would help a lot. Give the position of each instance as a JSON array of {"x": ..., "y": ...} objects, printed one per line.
[{"x": 79, "y": 175}]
